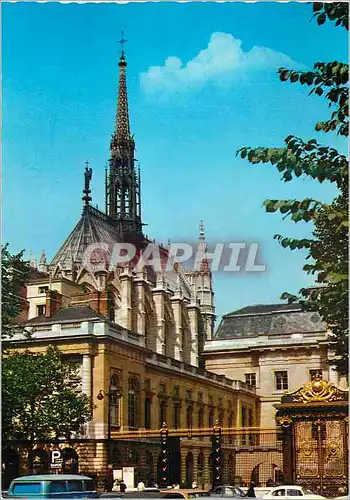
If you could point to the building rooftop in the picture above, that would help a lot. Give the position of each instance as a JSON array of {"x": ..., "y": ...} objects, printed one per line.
[
  {"x": 268, "y": 319},
  {"x": 67, "y": 314}
]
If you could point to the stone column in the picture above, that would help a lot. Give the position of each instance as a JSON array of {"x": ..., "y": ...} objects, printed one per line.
[
  {"x": 139, "y": 285},
  {"x": 124, "y": 317},
  {"x": 158, "y": 343},
  {"x": 176, "y": 303},
  {"x": 86, "y": 375},
  {"x": 193, "y": 313}
]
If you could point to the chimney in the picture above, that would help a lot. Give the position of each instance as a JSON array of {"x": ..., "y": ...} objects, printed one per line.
[{"x": 53, "y": 302}]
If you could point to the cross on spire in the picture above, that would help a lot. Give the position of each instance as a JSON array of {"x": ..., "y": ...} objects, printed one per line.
[{"x": 122, "y": 41}]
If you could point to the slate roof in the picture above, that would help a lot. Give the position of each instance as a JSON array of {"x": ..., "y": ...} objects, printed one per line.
[
  {"x": 93, "y": 227},
  {"x": 268, "y": 319},
  {"x": 265, "y": 308},
  {"x": 67, "y": 314}
]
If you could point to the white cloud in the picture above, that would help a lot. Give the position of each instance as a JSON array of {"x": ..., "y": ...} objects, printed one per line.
[{"x": 221, "y": 63}]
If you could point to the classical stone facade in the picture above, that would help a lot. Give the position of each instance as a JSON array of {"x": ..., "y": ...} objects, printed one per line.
[
  {"x": 147, "y": 389},
  {"x": 273, "y": 348}
]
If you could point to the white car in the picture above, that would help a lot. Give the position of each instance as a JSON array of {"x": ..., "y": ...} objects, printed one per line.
[{"x": 292, "y": 491}]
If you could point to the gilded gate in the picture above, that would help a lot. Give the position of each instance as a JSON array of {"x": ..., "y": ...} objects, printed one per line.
[{"x": 314, "y": 419}]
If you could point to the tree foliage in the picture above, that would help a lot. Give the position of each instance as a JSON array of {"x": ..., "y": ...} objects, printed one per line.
[
  {"x": 40, "y": 398},
  {"x": 327, "y": 250},
  {"x": 14, "y": 272}
]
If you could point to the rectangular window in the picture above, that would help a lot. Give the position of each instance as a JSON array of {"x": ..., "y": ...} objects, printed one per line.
[
  {"x": 250, "y": 379},
  {"x": 162, "y": 412},
  {"x": 40, "y": 309},
  {"x": 176, "y": 416},
  {"x": 162, "y": 388},
  {"x": 189, "y": 395},
  {"x": 147, "y": 385},
  {"x": 200, "y": 397},
  {"x": 211, "y": 418},
  {"x": 315, "y": 374},
  {"x": 176, "y": 392},
  {"x": 148, "y": 403},
  {"x": 43, "y": 289},
  {"x": 281, "y": 381}
]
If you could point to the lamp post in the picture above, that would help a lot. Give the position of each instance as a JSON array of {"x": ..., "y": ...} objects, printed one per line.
[{"x": 113, "y": 392}]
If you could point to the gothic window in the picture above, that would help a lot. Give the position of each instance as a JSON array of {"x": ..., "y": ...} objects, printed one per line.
[
  {"x": 115, "y": 395},
  {"x": 281, "y": 381},
  {"x": 133, "y": 402}
]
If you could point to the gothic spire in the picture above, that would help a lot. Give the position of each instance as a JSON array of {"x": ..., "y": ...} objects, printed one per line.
[
  {"x": 202, "y": 248},
  {"x": 122, "y": 120},
  {"x": 123, "y": 197}
]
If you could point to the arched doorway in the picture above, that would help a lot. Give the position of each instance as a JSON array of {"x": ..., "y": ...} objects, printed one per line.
[
  {"x": 200, "y": 470},
  {"x": 70, "y": 461},
  {"x": 10, "y": 466},
  {"x": 38, "y": 461},
  {"x": 189, "y": 470}
]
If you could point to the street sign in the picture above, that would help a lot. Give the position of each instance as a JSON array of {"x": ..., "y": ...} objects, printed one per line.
[{"x": 56, "y": 460}]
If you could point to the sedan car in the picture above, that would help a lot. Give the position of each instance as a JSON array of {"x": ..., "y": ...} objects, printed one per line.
[
  {"x": 227, "y": 491},
  {"x": 292, "y": 491}
]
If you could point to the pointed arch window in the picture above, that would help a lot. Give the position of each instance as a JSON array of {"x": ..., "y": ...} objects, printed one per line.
[{"x": 133, "y": 402}]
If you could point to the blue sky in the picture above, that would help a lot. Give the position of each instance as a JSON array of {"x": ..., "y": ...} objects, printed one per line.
[{"x": 202, "y": 83}]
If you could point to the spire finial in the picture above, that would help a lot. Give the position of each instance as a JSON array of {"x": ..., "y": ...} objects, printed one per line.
[
  {"x": 87, "y": 176},
  {"x": 122, "y": 41},
  {"x": 201, "y": 231}
]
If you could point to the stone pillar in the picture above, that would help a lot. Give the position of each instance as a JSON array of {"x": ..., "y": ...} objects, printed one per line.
[
  {"x": 140, "y": 324},
  {"x": 176, "y": 303},
  {"x": 86, "y": 375},
  {"x": 184, "y": 452},
  {"x": 206, "y": 471},
  {"x": 193, "y": 313},
  {"x": 124, "y": 314},
  {"x": 158, "y": 343}
]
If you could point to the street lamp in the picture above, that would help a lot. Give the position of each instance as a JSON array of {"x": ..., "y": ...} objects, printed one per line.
[{"x": 114, "y": 391}]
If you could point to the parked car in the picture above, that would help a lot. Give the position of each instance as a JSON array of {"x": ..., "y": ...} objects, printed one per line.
[
  {"x": 184, "y": 493},
  {"x": 291, "y": 491},
  {"x": 52, "y": 486},
  {"x": 227, "y": 491}
]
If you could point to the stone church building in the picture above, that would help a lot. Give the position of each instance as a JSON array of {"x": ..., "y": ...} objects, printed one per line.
[{"x": 144, "y": 339}]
